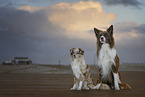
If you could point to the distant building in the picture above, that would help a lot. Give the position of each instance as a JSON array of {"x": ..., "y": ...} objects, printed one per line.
[
  {"x": 22, "y": 60},
  {"x": 19, "y": 61},
  {"x": 8, "y": 62}
]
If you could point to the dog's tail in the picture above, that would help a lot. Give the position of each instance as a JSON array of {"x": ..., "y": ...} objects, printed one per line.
[
  {"x": 91, "y": 86},
  {"x": 100, "y": 86},
  {"x": 125, "y": 86}
]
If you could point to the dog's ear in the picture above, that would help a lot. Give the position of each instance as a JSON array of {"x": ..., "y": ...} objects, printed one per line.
[
  {"x": 71, "y": 51},
  {"x": 81, "y": 51},
  {"x": 96, "y": 32},
  {"x": 110, "y": 30}
]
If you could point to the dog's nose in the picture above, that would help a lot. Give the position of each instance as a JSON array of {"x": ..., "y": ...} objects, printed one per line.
[
  {"x": 74, "y": 56},
  {"x": 102, "y": 38}
]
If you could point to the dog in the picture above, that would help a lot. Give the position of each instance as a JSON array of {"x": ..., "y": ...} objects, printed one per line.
[
  {"x": 81, "y": 70},
  {"x": 108, "y": 62}
]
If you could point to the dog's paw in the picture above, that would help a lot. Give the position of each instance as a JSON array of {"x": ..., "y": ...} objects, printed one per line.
[
  {"x": 72, "y": 89},
  {"x": 117, "y": 88},
  {"x": 86, "y": 88},
  {"x": 101, "y": 86},
  {"x": 79, "y": 89}
]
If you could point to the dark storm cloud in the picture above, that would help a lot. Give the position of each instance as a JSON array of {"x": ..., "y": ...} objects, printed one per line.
[
  {"x": 32, "y": 35},
  {"x": 25, "y": 34},
  {"x": 11, "y": 3},
  {"x": 135, "y": 3},
  {"x": 131, "y": 46},
  {"x": 140, "y": 29},
  {"x": 130, "y": 26},
  {"x": 5, "y": 3}
]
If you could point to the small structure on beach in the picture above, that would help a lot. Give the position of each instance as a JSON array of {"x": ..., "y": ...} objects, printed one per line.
[
  {"x": 22, "y": 60},
  {"x": 18, "y": 61}
]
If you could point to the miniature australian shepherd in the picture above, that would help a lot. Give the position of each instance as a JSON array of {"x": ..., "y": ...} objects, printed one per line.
[
  {"x": 81, "y": 70},
  {"x": 108, "y": 61}
]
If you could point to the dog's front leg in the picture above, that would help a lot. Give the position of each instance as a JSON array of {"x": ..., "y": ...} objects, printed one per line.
[
  {"x": 80, "y": 85},
  {"x": 116, "y": 81},
  {"x": 75, "y": 86},
  {"x": 116, "y": 78},
  {"x": 115, "y": 67},
  {"x": 81, "y": 82},
  {"x": 85, "y": 85}
]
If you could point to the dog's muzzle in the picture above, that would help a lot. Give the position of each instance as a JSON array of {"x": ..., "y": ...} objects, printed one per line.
[
  {"x": 77, "y": 56},
  {"x": 74, "y": 56},
  {"x": 102, "y": 39}
]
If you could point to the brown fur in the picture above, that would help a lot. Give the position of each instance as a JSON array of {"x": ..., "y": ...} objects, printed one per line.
[
  {"x": 84, "y": 74},
  {"x": 110, "y": 40}
]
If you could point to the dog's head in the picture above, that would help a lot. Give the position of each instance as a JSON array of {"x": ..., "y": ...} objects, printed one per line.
[
  {"x": 76, "y": 53},
  {"x": 105, "y": 36}
]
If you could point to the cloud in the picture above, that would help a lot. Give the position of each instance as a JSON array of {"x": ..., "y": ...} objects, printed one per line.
[
  {"x": 129, "y": 35},
  {"x": 78, "y": 18},
  {"x": 30, "y": 34},
  {"x": 27, "y": 34},
  {"x": 45, "y": 34},
  {"x": 12, "y": 3},
  {"x": 5, "y": 3},
  {"x": 135, "y": 3},
  {"x": 140, "y": 29},
  {"x": 125, "y": 30},
  {"x": 75, "y": 18},
  {"x": 129, "y": 41},
  {"x": 30, "y": 9}
]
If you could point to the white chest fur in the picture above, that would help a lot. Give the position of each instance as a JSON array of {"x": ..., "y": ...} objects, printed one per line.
[
  {"x": 76, "y": 66},
  {"x": 106, "y": 59}
]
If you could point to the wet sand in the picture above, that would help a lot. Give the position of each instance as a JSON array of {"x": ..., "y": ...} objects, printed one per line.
[{"x": 58, "y": 85}]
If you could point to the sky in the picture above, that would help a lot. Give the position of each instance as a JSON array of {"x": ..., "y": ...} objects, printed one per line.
[{"x": 45, "y": 30}]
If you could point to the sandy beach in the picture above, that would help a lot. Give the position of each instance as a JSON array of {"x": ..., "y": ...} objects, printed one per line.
[{"x": 53, "y": 83}]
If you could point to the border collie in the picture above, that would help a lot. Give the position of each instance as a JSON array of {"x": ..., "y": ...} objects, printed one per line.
[{"x": 108, "y": 61}]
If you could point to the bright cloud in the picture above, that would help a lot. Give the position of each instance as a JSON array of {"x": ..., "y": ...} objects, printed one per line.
[
  {"x": 30, "y": 9},
  {"x": 76, "y": 18}
]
